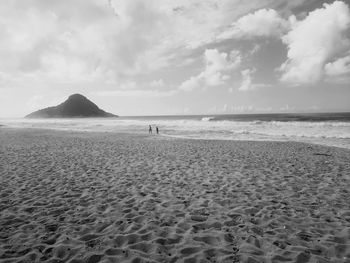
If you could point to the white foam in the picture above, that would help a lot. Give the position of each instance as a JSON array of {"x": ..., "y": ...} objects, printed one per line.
[
  {"x": 204, "y": 128},
  {"x": 208, "y": 118}
]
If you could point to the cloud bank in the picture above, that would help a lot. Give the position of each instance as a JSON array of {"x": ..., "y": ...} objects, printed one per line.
[{"x": 314, "y": 41}]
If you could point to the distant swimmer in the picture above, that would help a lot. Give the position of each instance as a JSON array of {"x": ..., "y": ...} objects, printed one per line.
[
  {"x": 150, "y": 129},
  {"x": 157, "y": 130}
]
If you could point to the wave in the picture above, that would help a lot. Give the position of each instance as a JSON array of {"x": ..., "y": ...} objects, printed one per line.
[
  {"x": 293, "y": 135},
  {"x": 310, "y": 124},
  {"x": 208, "y": 118},
  {"x": 208, "y": 127}
]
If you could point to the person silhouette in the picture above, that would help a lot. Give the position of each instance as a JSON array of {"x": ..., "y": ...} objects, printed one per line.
[
  {"x": 157, "y": 130},
  {"x": 150, "y": 129}
]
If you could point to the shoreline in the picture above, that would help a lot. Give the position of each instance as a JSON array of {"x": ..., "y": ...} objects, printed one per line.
[
  {"x": 70, "y": 196},
  {"x": 175, "y": 137}
]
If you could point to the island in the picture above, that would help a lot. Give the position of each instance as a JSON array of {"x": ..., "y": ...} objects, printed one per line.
[{"x": 75, "y": 106}]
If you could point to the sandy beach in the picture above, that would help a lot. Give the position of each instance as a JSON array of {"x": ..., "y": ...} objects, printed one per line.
[{"x": 105, "y": 197}]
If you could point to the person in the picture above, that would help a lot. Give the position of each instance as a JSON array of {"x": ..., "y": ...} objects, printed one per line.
[
  {"x": 150, "y": 129},
  {"x": 157, "y": 129}
]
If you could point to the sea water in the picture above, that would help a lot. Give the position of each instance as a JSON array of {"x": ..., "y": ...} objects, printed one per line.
[{"x": 331, "y": 129}]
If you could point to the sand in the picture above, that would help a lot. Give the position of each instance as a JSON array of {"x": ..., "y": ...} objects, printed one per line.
[{"x": 103, "y": 197}]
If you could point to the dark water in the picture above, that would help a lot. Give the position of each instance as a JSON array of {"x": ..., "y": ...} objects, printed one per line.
[{"x": 282, "y": 117}]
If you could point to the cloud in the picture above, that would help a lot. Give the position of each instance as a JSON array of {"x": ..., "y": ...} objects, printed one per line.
[
  {"x": 35, "y": 102},
  {"x": 157, "y": 83},
  {"x": 153, "y": 93},
  {"x": 255, "y": 49},
  {"x": 191, "y": 84},
  {"x": 218, "y": 63},
  {"x": 91, "y": 44},
  {"x": 53, "y": 43},
  {"x": 217, "y": 68},
  {"x": 132, "y": 89},
  {"x": 262, "y": 23},
  {"x": 127, "y": 85},
  {"x": 314, "y": 41},
  {"x": 116, "y": 37},
  {"x": 339, "y": 67},
  {"x": 81, "y": 42},
  {"x": 247, "y": 80}
]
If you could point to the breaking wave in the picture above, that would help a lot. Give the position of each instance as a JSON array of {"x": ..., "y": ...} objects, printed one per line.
[
  {"x": 208, "y": 118},
  {"x": 334, "y": 132}
]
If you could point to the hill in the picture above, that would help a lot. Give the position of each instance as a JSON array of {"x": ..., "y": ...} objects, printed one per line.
[{"x": 76, "y": 105}]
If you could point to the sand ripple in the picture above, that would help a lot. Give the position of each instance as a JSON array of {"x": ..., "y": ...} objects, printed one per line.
[{"x": 89, "y": 197}]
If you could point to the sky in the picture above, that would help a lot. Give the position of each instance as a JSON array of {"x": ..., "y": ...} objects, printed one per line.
[{"x": 170, "y": 57}]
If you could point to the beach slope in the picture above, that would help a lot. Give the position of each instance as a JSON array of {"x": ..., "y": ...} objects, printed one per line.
[{"x": 103, "y": 197}]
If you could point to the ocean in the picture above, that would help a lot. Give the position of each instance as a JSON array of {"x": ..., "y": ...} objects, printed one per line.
[{"x": 332, "y": 129}]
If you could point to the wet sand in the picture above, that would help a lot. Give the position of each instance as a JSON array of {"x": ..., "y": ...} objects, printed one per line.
[{"x": 102, "y": 197}]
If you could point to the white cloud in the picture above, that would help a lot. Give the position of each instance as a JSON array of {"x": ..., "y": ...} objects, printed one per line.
[
  {"x": 117, "y": 37},
  {"x": 314, "y": 41},
  {"x": 339, "y": 67},
  {"x": 191, "y": 84},
  {"x": 218, "y": 63},
  {"x": 262, "y": 23},
  {"x": 255, "y": 49},
  {"x": 53, "y": 43},
  {"x": 217, "y": 68},
  {"x": 247, "y": 80}
]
